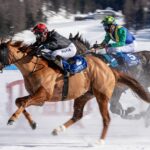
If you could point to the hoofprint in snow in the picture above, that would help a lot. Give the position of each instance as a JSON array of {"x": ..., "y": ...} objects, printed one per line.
[{"x": 122, "y": 135}]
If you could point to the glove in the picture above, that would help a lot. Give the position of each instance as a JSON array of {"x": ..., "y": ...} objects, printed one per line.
[
  {"x": 45, "y": 46},
  {"x": 100, "y": 46},
  {"x": 103, "y": 45},
  {"x": 109, "y": 45},
  {"x": 41, "y": 52},
  {"x": 96, "y": 45},
  {"x": 38, "y": 50}
]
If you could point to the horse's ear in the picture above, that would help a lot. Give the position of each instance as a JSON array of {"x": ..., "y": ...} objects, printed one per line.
[
  {"x": 76, "y": 36},
  {"x": 80, "y": 37},
  {"x": 70, "y": 36}
]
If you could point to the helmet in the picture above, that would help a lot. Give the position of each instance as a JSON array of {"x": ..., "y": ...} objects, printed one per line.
[
  {"x": 108, "y": 20},
  {"x": 40, "y": 28},
  {"x": 40, "y": 31}
]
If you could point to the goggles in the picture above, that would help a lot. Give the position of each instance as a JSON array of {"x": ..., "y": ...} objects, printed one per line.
[{"x": 106, "y": 26}]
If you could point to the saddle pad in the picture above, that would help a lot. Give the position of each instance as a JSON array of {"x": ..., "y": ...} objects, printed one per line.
[{"x": 75, "y": 64}]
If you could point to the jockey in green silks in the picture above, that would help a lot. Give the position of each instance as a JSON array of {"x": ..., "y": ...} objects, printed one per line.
[{"x": 124, "y": 41}]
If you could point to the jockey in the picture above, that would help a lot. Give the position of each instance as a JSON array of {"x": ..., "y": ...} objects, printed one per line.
[
  {"x": 124, "y": 41},
  {"x": 52, "y": 45}
]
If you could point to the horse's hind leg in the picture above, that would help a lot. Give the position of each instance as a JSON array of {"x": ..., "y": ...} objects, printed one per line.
[
  {"x": 79, "y": 104},
  {"x": 115, "y": 105}
]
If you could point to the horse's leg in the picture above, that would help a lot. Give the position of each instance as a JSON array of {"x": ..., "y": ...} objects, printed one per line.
[
  {"x": 115, "y": 105},
  {"x": 79, "y": 104},
  {"x": 26, "y": 114},
  {"x": 30, "y": 120},
  {"x": 103, "y": 101},
  {"x": 37, "y": 99}
]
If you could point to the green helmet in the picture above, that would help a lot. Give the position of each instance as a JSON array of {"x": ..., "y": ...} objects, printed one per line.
[{"x": 109, "y": 20}]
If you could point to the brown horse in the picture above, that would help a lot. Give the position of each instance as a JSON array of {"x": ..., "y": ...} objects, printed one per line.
[
  {"x": 44, "y": 83},
  {"x": 140, "y": 72}
]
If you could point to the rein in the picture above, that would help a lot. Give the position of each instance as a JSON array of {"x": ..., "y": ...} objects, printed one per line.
[
  {"x": 34, "y": 69},
  {"x": 5, "y": 62},
  {"x": 31, "y": 53}
]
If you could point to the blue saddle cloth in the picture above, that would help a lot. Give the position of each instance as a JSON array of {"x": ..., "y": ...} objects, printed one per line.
[
  {"x": 75, "y": 64},
  {"x": 128, "y": 58}
]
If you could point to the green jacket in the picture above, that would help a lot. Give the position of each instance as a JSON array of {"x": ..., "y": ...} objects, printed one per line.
[{"x": 121, "y": 37}]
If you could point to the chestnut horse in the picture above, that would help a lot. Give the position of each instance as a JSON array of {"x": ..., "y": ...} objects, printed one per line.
[{"x": 44, "y": 83}]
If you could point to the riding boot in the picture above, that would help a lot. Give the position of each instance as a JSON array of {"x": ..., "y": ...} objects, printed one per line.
[
  {"x": 58, "y": 62},
  {"x": 120, "y": 58}
]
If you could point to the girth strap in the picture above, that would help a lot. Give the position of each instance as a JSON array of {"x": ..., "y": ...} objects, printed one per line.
[{"x": 65, "y": 88}]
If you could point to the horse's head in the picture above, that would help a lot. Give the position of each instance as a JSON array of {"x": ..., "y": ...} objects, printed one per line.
[
  {"x": 82, "y": 45},
  {"x": 4, "y": 54},
  {"x": 11, "y": 52}
]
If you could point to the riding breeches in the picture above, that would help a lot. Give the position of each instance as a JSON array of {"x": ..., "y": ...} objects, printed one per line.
[
  {"x": 65, "y": 53},
  {"x": 127, "y": 48}
]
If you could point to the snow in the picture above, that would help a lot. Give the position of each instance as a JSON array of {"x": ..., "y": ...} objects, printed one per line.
[{"x": 122, "y": 135}]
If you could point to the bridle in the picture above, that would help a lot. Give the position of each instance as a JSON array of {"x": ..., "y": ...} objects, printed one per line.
[
  {"x": 4, "y": 58},
  {"x": 4, "y": 55}
]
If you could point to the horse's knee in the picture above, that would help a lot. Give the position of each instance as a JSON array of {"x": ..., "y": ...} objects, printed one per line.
[
  {"x": 106, "y": 122},
  {"x": 19, "y": 102}
]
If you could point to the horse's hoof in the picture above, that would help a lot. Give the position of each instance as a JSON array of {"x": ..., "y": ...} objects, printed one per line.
[
  {"x": 130, "y": 110},
  {"x": 33, "y": 125},
  {"x": 97, "y": 143},
  {"x": 55, "y": 132},
  {"x": 100, "y": 142},
  {"x": 10, "y": 122},
  {"x": 58, "y": 130}
]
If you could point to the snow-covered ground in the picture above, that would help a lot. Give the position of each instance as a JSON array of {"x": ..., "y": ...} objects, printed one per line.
[{"x": 122, "y": 135}]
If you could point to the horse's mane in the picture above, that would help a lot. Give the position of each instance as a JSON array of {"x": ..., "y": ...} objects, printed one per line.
[{"x": 80, "y": 39}]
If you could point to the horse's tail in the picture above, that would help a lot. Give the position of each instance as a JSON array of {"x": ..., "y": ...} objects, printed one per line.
[{"x": 133, "y": 84}]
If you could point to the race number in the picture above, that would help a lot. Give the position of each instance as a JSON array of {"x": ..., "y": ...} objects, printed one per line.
[{"x": 132, "y": 57}]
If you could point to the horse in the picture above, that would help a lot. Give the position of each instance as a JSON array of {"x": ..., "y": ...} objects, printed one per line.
[
  {"x": 141, "y": 72},
  {"x": 44, "y": 83}
]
